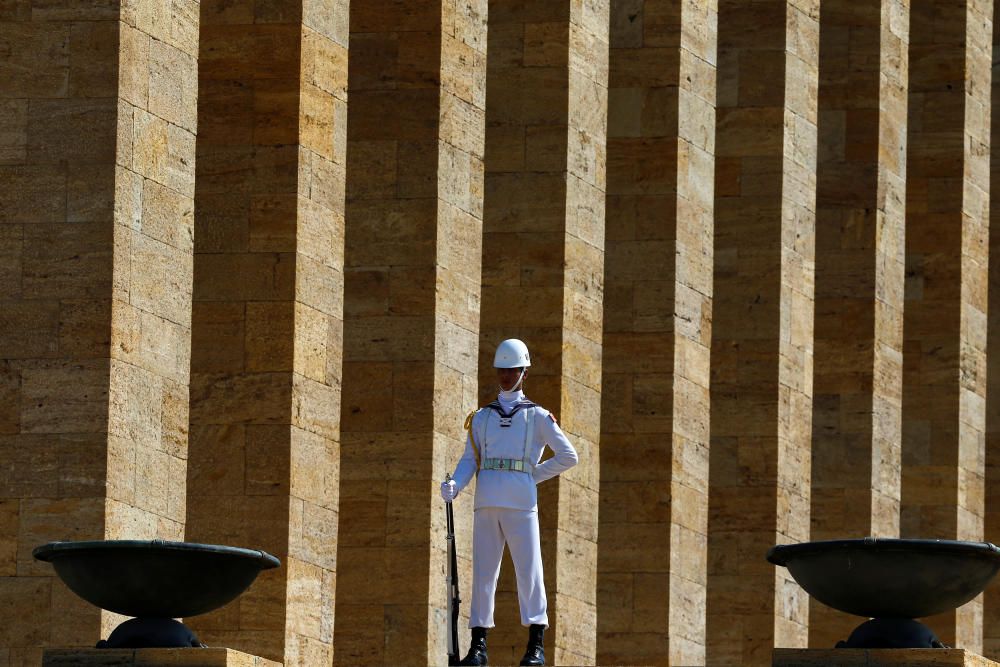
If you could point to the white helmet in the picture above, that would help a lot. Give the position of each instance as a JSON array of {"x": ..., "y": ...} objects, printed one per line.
[{"x": 511, "y": 353}]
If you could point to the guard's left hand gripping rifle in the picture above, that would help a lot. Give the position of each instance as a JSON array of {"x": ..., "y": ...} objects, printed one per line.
[{"x": 454, "y": 601}]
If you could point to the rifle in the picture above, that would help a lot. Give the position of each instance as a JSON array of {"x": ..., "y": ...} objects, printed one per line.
[{"x": 454, "y": 601}]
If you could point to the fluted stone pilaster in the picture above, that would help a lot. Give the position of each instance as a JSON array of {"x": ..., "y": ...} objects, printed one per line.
[
  {"x": 860, "y": 217},
  {"x": 947, "y": 191},
  {"x": 266, "y": 360},
  {"x": 543, "y": 265},
  {"x": 652, "y": 555},
  {"x": 762, "y": 325},
  {"x": 414, "y": 231},
  {"x": 97, "y": 102}
]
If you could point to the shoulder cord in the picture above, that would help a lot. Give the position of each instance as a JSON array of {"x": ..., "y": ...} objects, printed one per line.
[{"x": 472, "y": 439}]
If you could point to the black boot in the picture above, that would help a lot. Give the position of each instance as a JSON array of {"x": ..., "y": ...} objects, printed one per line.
[
  {"x": 477, "y": 649},
  {"x": 535, "y": 654}
]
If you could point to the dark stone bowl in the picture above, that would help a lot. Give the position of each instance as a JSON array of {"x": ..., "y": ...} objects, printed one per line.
[
  {"x": 155, "y": 579},
  {"x": 890, "y": 578}
]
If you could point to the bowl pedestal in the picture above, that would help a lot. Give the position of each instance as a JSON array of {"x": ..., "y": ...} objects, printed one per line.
[
  {"x": 892, "y": 633},
  {"x": 885, "y": 657},
  {"x": 150, "y": 631},
  {"x": 151, "y": 657}
]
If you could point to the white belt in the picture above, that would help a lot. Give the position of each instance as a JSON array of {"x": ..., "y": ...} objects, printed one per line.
[{"x": 513, "y": 465}]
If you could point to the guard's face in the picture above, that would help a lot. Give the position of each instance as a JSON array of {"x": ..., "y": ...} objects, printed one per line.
[{"x": 507, "y": 377}]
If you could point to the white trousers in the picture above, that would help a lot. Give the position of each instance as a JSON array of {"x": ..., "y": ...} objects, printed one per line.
[{"x": 492, "y": 528}]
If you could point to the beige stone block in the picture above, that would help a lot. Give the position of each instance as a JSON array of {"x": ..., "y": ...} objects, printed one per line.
[
  {"x": 218, "y": 336},
  {"x": 83, "y": 328},
  {"x": 45, "y": 520},
  {"x": 152, "y": 493},
  {"x": 258, "y": 398},
  {"x": 135, "y": 404},
  {"x": 92, "y": 59},
  {"x": 317, "y": 118},
  {"x": 463, "y": 125},
  {"x": 368, "y": 291},
  {"x": 10, "y": 399},
  {"x": 32, "y": 469},
  {"x": 575, "y": 617},
  {"x": 463, "y": 62},
  {"x": 272, "y": 223},
  {"x": 269, "y": 336},
  {"x": 65, "y": 397},
  {"x": 66, "y": 261},
  {"x": 378, "y": 161},
  {"x": 319, "y": 285},
  {"x": 317, "y": 469},
  {"x": 149, "y": 146},
  {"x": 310, "y": 342},
  {"x": 305, "y": 616},
  {"x": 247, "y": 277},
  {"x": 320, "y": 234},
  {"x": 324, "y": 62},
  {"x": 363, "y": 411},
  {"x": 38, "y": 65},
  {"x": 26, "y": 623},
  {"x": 267, "y": 465},
  {"x": 30, "y": 329},
  {"x": 16, "y": 11},
  {"x": 167, "y": 216},
  {"x": 128, "y": 211},
  {"x": 72, "y": 130},
  {"x": 9, "y": 522},
  {"x": 13, "y": 131},
  {"x": 316, "y": 540},
  {"x": 90, "y": 195},
  {"x": 36, "y": 194},
  {"x": 161, "y": 278},
  {"x": 326, "y": 188},
  {"x": 219, "y": 464},
  {"x": 173, "y": 85}
]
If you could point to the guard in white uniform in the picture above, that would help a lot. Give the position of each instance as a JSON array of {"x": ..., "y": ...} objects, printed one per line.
[{"x": 504, "y": 446}]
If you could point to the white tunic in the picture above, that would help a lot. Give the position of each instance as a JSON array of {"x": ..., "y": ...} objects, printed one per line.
[{"x": 505, "y": 488}]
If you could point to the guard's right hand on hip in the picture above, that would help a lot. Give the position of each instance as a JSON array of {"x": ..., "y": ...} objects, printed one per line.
[{"x": 449, "y": 490}]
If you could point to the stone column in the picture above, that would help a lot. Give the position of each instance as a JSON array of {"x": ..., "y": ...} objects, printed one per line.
[
  {"x": 97, "y": 123},
  {"x": 991, "y": 599},
  {"x": 543, "y": 265},
  {"x": 857, "y": 392},
  {"x": 947, "y": 200},
  {"x": 652, "y": 555},
  {"x": 414, "y": 229},
  {"x": 266, "y": 360},
  {"x": 762, "y": 325}
]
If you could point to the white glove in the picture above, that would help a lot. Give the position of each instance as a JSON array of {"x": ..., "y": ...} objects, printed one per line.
[{"x": 449, "y": 490}]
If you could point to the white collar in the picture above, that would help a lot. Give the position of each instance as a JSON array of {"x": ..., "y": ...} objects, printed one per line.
[{"x": 509, "y": 399}]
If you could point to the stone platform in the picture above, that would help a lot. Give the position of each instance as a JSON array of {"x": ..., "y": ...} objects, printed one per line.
[
  {"x": 153, "y": 657},
  {"x": 914, "y": 657}
]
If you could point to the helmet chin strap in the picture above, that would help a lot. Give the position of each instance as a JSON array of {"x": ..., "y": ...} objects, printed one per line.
[
  {"x": 520, "y": 379},
  {"x": 517, "y": 385}
]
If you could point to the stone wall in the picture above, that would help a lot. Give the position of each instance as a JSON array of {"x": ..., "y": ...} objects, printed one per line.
[
  {"x": 860, "y": 234},
  {"x": 97, "y": 179},
  {"x": 947, "y": 237},
  {"x": 255, "y": 257}
]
